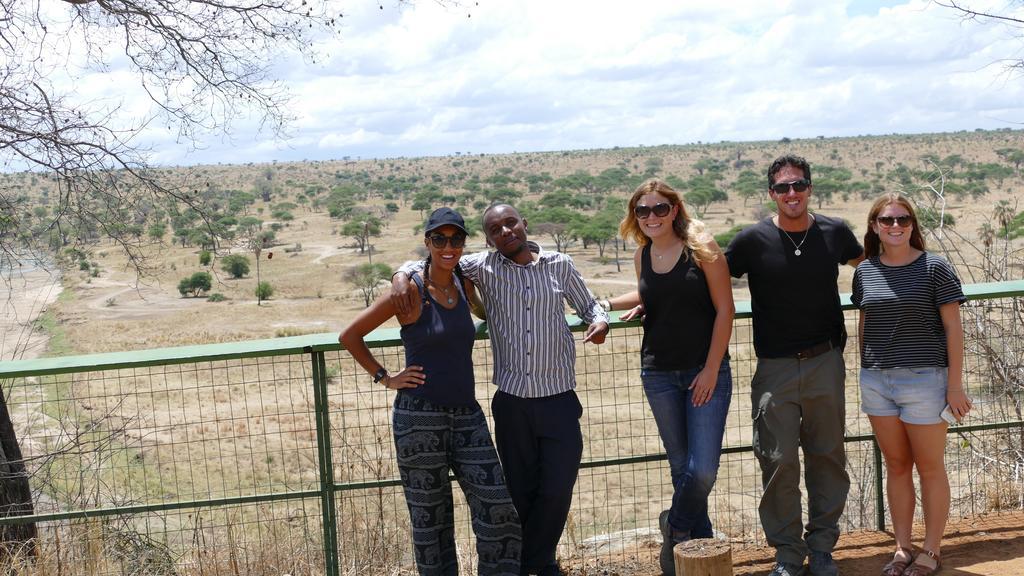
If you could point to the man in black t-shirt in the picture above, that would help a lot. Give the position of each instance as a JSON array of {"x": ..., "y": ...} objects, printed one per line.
[{"x": 792, "y": 262}]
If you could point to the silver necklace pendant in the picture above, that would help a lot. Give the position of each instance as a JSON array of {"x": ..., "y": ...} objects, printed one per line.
[
  {"x": 451, "y": 300},
  {"x": 796, "y": 247}
]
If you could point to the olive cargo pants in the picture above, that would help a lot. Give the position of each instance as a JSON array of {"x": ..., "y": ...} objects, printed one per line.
[{"x": 800, "y": 403}]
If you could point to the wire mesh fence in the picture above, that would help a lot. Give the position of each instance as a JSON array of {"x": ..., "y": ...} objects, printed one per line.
[{"x": 277, "y": 457}]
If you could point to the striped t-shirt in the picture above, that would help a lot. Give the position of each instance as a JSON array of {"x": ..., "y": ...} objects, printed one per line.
[{"x": 900, "y": 304}]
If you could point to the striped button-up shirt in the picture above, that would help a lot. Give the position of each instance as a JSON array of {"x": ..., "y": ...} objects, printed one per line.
[{"x": 534, "y": 352}]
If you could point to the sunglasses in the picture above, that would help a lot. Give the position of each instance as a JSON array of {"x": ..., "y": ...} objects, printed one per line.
[
  {"x": 440, "y": 240},
  {"x": 800, "y": 185},
  {"x": 890, "y": 221},
  {"x": 660, "y": 209}
]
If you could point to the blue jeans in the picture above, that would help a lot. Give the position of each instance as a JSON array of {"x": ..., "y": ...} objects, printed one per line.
[{"x": 692, "y": 437}]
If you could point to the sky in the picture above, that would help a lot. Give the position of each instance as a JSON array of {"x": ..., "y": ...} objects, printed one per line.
[{"x": 499, "y": 76}]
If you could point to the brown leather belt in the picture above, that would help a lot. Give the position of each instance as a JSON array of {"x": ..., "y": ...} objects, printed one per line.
[{"x": 816, "y": 350}]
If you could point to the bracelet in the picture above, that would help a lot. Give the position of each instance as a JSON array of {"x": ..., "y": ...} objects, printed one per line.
[
  {"x": 380, "y": 374},
  {"x": 606, "y": 304}
]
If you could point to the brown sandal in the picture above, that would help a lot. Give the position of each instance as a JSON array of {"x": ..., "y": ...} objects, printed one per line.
[
  {"x": 918, "y": 569},
  {"x": 897, "y": 567}
]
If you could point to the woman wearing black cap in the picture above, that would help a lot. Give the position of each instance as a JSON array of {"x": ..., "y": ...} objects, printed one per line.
[{"x": 438, "y": 424}]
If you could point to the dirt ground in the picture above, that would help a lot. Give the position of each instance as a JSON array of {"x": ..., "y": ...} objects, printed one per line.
[
  {"x": 25, "y": 295},
  {"x": 987, "y": 545}
]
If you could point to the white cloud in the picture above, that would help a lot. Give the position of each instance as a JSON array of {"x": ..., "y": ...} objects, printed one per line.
[{"x": 541, "y": 75}]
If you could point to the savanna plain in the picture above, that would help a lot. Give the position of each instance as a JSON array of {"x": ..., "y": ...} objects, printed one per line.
[{"x": 319, "y": 240}]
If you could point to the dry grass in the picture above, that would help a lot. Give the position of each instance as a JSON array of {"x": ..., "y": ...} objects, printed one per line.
[
  {"x": 240, "y": 427},
  {"x": 311, "y": 296}
]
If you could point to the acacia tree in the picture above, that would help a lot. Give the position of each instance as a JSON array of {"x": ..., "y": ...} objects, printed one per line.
[
  {"x": 366, "y": 278},
  {"x": 600, "y": 228},
  {"x": 361, "y": 228},
  {"x": 557, "y": 222}
]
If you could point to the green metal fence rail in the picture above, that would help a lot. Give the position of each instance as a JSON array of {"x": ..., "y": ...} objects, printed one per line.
[{"x": 212, "y": 459}]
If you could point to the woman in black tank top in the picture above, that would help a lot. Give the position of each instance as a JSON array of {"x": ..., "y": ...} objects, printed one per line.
[
  {"x": 438, "y": 424},
  {"x": 684, "y": 296}
]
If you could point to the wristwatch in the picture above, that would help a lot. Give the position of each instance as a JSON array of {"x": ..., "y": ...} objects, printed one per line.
[{"x": 380, "y": 374}]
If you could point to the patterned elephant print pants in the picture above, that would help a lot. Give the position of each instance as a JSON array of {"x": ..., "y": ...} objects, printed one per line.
[{"x": 430, "y": 440}]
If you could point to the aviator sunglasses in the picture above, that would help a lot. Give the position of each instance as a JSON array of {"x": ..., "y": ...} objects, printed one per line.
[
  {"x": 797, "y": 186},
  {"x": 660, "y": 209},
  {"x": 440, "y": 240},
  {"x": 890, "y": 221}
]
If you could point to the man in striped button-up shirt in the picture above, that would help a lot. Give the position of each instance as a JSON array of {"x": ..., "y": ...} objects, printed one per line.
[{"x": 536, "y": 411}]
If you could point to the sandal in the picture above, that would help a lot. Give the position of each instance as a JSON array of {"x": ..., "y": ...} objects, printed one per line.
[
  {"x": 918, "y": 569},
  {"x": 897, "y": 567}
]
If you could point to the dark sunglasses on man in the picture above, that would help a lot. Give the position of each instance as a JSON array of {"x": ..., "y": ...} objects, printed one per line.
[
  {"x": 800, "y": 185},
  {"x": 660, "y": 209},
  {"x": 456, "y": 240}
]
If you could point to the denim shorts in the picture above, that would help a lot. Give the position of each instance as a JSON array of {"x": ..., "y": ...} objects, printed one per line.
[{"x": 916, "y": 395}]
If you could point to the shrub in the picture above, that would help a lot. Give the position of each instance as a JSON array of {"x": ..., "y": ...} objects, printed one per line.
[
  {"x": 157, "y": 231},
  {"x": 204, "y": 258},
  {"x": 929, "y": 218},
  {"x": 195, "y": 284},
  {"x": 726, "y": 237},
  {"x": 236, "y": 265},
  {"x": 216, "y": 297},
  {"x": 264, "y": 291}
]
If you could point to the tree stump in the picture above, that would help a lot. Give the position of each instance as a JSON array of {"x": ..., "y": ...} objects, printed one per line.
[{"x": 703, "y": 557}]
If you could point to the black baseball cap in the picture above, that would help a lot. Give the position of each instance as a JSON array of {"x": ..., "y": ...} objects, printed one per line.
[{"x": 444, "y": 217}]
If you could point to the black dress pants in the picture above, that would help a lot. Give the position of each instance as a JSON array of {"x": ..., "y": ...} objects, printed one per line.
[{"x": 540, "y": 445}]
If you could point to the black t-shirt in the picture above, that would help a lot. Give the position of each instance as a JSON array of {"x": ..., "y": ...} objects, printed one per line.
[
  {"x": 679, "y": 315},
  {"x": 794, "y": 299}
]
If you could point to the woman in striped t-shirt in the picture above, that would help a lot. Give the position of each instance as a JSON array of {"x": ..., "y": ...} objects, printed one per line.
[{"x": 911, "y": 366}]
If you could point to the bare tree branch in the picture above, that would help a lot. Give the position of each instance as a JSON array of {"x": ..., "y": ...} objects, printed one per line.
[
  {"x": 968, "y": 13},
  {"x": 203, "y": 64}
]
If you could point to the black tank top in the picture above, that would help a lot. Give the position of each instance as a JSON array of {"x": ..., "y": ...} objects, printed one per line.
[
  {"x": 441, "y": 340},
  {"x": 679, "y": 315}
]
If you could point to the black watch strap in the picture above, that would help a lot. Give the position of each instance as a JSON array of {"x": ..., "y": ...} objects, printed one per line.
[{"x": 380, "y": 375}]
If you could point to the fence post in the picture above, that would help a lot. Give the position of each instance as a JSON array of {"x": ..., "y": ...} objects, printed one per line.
[
  {"x": 879, "y": 491},
  {"x": 326, "y": 462}
]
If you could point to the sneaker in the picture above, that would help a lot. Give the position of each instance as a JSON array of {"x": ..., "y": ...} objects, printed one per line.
[
  {"x": 787, "y": 569},
  {"x": 822, "y": 564},
  {"x": 666, "y": 559},
  {"x": 669, "y": 538}
]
